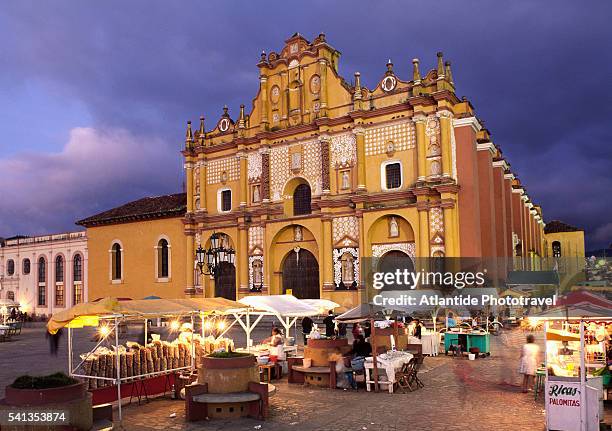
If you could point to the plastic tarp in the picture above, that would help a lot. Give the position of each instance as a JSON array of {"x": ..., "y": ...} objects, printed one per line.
[
  {"x": 360, "y": 313},
  {"x": 141, "y": 308},
  {"x": 283, "y": 305}
]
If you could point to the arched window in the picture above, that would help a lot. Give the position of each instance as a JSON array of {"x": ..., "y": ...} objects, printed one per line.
[
  {"x": 25, "y": 266},
  {"x": 10, "y": 295},
  {"x": 77, "y": 278},
  {"x": 42, "y": 279},
  {"x": 163, "y": 269},
  {"x": 116, "y": 258},
  {"x": 301, "y": 200},
  {"x": 10, "y": 267},
  {"x": 59, "y": 269},
  {"x": 77, "y": 268},
  {"x": 59, "y": 281},
  {"x": 556, "y": 249}
]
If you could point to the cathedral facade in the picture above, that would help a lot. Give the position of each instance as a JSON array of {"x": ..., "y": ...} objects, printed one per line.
[{"x": 318, "y": 172}]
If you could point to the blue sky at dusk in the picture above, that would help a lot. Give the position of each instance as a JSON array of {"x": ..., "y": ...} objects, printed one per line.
[{"x": 94, "y": 96}]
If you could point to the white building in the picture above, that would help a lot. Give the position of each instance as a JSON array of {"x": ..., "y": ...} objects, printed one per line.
[{"x": 44, "y": 274}]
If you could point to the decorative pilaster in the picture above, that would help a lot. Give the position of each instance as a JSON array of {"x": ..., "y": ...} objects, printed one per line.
[
  {"x": 445, "y": 137},
  {"x": 323, "y": 75},
  {"x": 202, "y": 165},
  {"x": 328, "y": 263},
  {"x": 325, "y": 182},
  {"x": 265, "y": 174},
  {"x": 189, "y": 262},
  {"x": 361, "y": 165},
  {"x": 263, "y": 85},
  {"x": 189, "y": 185},
  {"x": 419, "y": 121},
  {"x": 244, "y": 183},
  {"x": 243, "y": 258}
]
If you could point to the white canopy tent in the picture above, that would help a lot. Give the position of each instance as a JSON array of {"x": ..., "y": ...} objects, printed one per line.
[{"x": 286, "y": 308}]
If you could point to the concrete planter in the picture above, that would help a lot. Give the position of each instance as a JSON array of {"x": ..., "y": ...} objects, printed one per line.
[
  {"x": 38, "y": 397},
  {"x": 226, "y": 375}
]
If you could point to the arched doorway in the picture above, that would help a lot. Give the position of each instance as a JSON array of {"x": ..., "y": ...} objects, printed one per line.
[
  {"x": 225, "y": 281},
  {"x": 301, "y": 274},
  {"x": 391, "y": 262}
]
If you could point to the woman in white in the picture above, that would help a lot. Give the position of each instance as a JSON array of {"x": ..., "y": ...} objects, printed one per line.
[
  {"x": 277, "y": 342},
  {"x": 529, "y": 362}
]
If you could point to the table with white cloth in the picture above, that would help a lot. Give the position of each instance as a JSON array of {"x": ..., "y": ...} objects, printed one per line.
[
  {"x": 390, "y": 362},
  {"x": 430, "y": 343}
]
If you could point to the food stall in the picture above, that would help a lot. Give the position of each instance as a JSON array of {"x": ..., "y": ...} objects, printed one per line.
[
  {"x": 110, "y": 365},
  {"x": 577, "y": 338}
]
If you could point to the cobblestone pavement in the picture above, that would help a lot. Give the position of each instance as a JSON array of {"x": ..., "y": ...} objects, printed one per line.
[{"x": 458, "y": 394}]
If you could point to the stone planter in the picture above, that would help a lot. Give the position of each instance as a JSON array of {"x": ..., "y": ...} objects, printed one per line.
[
  {"x": 38, "y": 397},
  {"x": 226, "y": 375},
  {"x": 72, "y": 398}
]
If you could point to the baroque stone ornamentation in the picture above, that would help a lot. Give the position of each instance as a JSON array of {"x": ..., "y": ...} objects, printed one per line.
[
  {"x": 280, "y": 168},
  {"x": 325, "y": 165},
  {"x": 338, "y": 253},
  {"x": 436, "y": 221},
  {"x": 343, "y": 227},
  {"x": 255, "y": 264},
  {"x": 256, "y": 234},
  {"x": 378, "y": 250},
  {"x": 265, "y": 175},
  {"x": 401, "y": 134},
  {"x": 225, "y": 169},
  {"x": 343, "y": 150},
  {"x": 254, "y": 166}
]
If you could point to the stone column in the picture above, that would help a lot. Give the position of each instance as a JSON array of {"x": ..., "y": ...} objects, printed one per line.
[
  {"x": 361, "y": 164},
  {"x": 189, "y": 183},
  {"x": 423, "y": 246},
  {"x": 243, "y": 258},
  {"x": 243, "y": 192},
  {"x": 323, "y": 91},
  {"x": 445, "y": 138},
  {"x": 327, "y": 258},
  {"x": 203, "y": 179},
  {"x": 421, "y": 139},
  {"x": 263, "y": 84},
  {"x": 189, "y": 261}
]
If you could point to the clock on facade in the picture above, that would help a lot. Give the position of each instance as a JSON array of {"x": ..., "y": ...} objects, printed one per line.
[{"x": 389, "y": 83}]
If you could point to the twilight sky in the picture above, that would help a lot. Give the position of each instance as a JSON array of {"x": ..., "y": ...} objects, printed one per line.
[{"x": 94, "y": 96}]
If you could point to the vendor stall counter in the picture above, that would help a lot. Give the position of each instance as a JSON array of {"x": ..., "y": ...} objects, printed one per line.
[{"x": 467, "y": 340}]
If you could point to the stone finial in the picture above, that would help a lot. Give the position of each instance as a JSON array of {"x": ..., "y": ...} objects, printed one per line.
[
  {"x": 201, "y": 131},
  {"x": 263, "y": 55},
  {"x": 357, "y": 94},
  {"x": 188, "y": 135},
  {"x": 447, "y": 72},
  {"x": 416, "y": 74},
  {"x": 389, "y": 67},
  {"x": 241, "y": 118},
  {"x": 440, "y": 64},
  {"x": 225, "y": 114}
]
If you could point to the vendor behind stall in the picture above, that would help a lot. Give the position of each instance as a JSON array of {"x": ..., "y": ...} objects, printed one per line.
[{"x": 276, "y": 345}]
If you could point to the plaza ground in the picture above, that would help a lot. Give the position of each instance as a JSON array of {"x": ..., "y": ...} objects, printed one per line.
[{"x": 458, "y": 394}]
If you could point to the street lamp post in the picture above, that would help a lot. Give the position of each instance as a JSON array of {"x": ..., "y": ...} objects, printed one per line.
[{"x": 209, "y": 261}]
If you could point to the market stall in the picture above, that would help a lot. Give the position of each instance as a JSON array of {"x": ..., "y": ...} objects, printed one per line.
[
  {"x": 577, "y": 339},
  {"x": 111, "y": 365}
]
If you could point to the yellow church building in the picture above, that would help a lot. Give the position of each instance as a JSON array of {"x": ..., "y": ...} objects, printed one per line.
[{"x": 316, "y": 173}]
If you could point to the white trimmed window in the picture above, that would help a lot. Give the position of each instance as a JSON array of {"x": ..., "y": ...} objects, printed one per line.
[
  {"x": 224, "y": 200},
  {"x": 116, "y": 262},
  {"x": 163, "y": 259},
  {"x": 391, "y": 175}
]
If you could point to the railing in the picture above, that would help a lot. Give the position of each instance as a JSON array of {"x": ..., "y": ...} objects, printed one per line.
[{"x": 46, "y": 238}]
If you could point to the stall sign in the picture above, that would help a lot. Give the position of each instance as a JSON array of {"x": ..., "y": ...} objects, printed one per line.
[{"x": 562, "y": 405}]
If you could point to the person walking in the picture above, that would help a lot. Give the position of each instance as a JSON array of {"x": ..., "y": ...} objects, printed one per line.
[{"x": 529, "y": 362}]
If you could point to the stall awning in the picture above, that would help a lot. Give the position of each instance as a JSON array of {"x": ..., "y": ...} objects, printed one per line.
[
  {"x": 283, "y": 305},
  {"x": 360, "y": 313},
  {"x": 581, "y": 311},
  {"x": 323, "y": 305},
  {"x": 142, "y": 308}
]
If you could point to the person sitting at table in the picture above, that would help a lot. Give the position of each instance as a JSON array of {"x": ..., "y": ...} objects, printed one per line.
[
  {"x": 276, "y": 343},
  {"x": 361, "y": 348}
]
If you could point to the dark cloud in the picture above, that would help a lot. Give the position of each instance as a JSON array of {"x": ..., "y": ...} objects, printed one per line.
[{"x": 537, "y": 73}]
